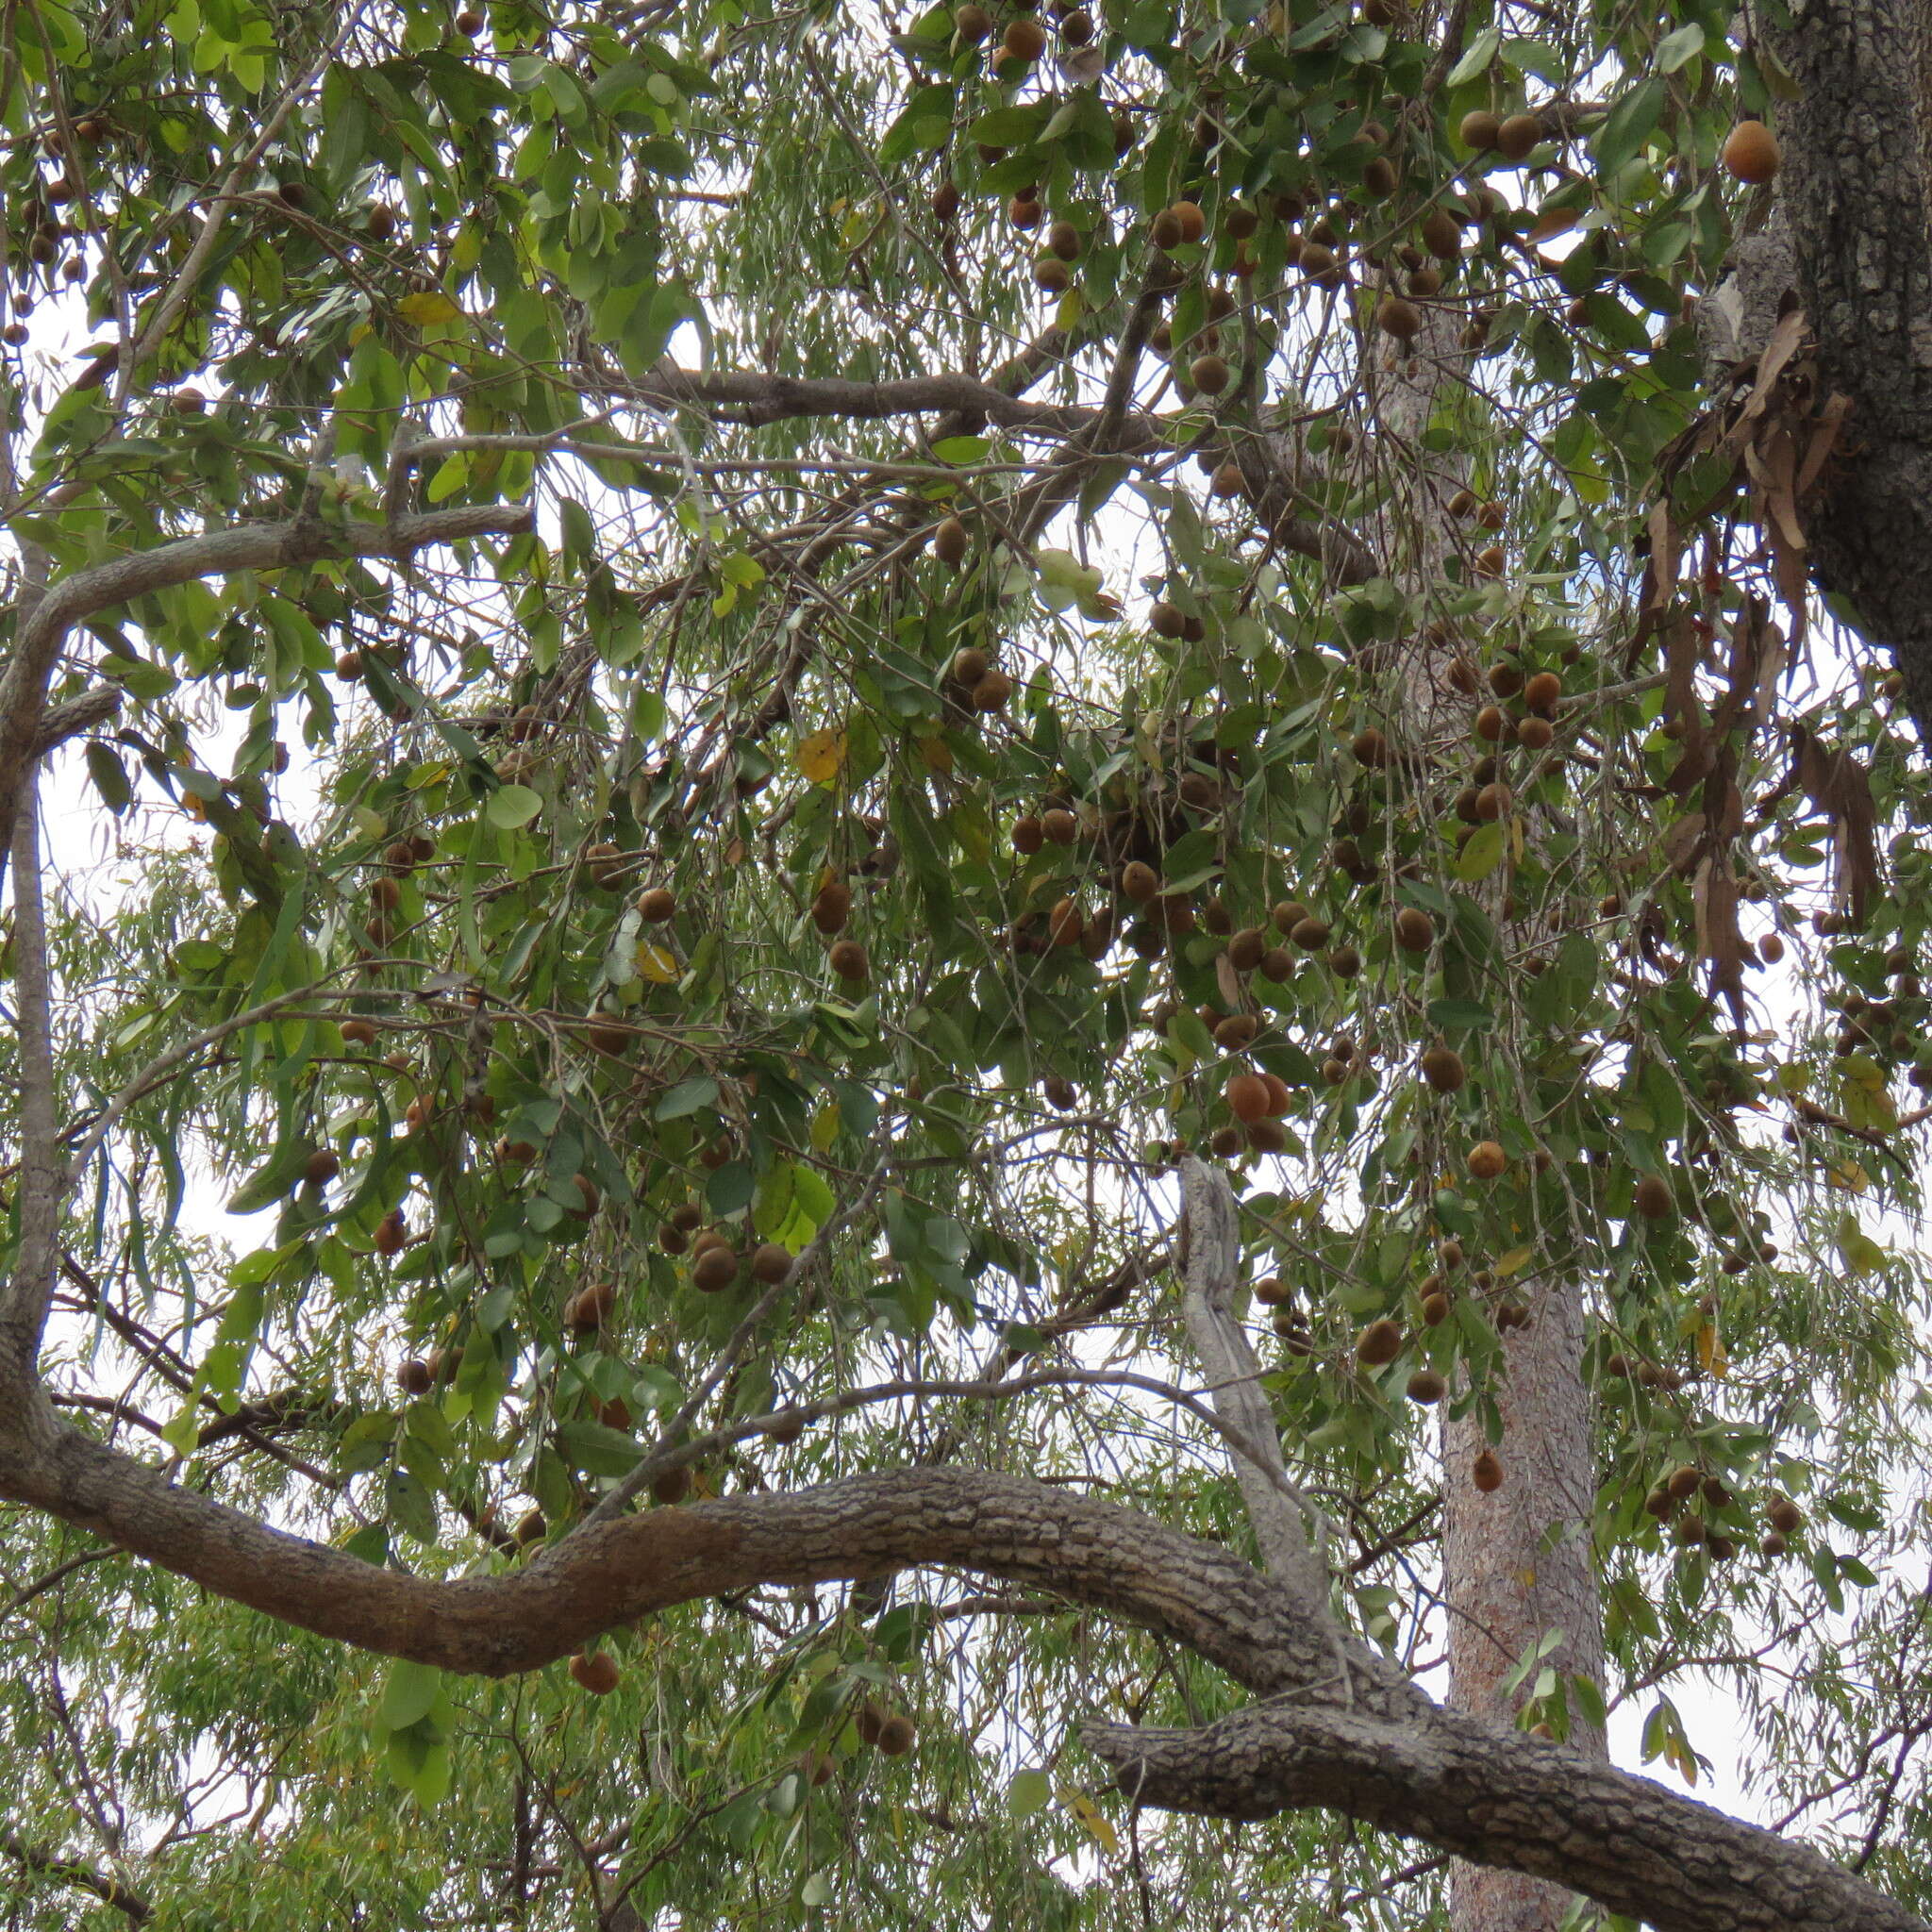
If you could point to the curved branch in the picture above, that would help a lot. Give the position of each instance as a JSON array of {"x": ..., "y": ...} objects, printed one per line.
[
  {"x": 1502, "y": 1798},
  {"x": 103, "y": 1885},
  {"x": 248, "y": 546}
]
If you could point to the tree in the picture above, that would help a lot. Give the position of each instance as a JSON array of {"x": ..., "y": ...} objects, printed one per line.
[{"x": 920, "y": 812}]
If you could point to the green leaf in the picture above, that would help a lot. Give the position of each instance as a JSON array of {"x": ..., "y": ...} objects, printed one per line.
[
  {"x": 513, "y": 806},
  {"x": 1628, "y": 126}
]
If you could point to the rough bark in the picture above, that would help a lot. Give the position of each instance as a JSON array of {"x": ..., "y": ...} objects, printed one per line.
[
  {"x": 1852, "y": 190},
  {"x": 1518, "y": 1562}
]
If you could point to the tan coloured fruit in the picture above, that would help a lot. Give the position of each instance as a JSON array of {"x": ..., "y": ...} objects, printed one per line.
[
  {"x": 413, "y": 1376},
  {"x": 1491, "y": 802},
  {"x": 1486, "y": 1471},
  {"x": 1193, "y": 222},
  {"x": 1266, "y": 1136},
  {"x": 1517, "y": 138},
  {"x": 1063, "y": 240},
  {"x": 596, "y": 1670},
  {"x": 1541, "y": 692},
  {"x": 1060, "y": 825},
  {"x": 1236, "y": 1033},
  {"x": 1139, "y": 882},
  {"x": 1426, "y": 1387},
  {"x": 1400, "y": 319},
  {"x": 992, "y": 691},
  {"x": 1164, "y": 231},
  {"x": 322, "y": 1167},
  {"x": 1652, "y": 1197},
  {"x": 1487, "y": 1160},
  {"x": 1480, "y": 129},
  {"x": 1750, "y": 153},
  {"x": 1443, "y": 1067},
  {"x": 715, "y": 1270},
  {"x": 1379, "y": 1343},
  {"x": 1052, "y": 277},
  {"x": 771, "y": 1264},
  {"x": 1488, "y": 563},
  {"x": 1415, "y": 931},
  {"x": 1287, "y": 914},
  {"x": 1435, "y": 1309},
  {"x": 1535, "y": 733},
  {"x": 1784, "y": 1516},
  {"x": 592, "y": 1308},
  {"x": 831, "y": 908},
  {"x": 392, "y": 1233},
  {"x": 949, "y": 545},
  {"x": 1248, "y": 1098},
  {"x": 973, "y": 24},
  {"x": 895, "y": 1736},
  {"x": 657, "y": 906},
  {"x": 1025, "y": 39},
  {"x": 1247, "y": 949},
  {"x": 1209, "y": 373},
  {"x": 674, "y": 1486},
  {"x": 1271, "y": 1291},
  {"x": 1310, "y": 934},
  {"x": 1029, "y": 835},
  {"x": 532, "y": 1527},
  {"x": 848, "y": 960},
  {"x": 1370, "y": 748}
]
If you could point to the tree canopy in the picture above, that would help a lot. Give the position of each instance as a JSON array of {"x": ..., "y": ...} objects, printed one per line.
[{"x": 703, "y": 701}]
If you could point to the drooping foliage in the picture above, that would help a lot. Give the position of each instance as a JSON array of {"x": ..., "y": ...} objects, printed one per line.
[{"x": 1098, "y": 582}]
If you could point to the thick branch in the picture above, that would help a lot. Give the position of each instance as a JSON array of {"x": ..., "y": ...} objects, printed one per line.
[
  {"x": 103, "y": 1885},
  {"x": 1502, "y": 1798}
]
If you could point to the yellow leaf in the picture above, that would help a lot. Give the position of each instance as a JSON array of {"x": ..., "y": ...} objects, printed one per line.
[
  {"x": 1514, "y": 1260},
  {"x": 825, "y": 1127},
  {"x": 427, "y": 305},
  {"x": 937, "y": 754},
  {"x": 1847, "y": 1175},
  {"x": 1711, "y": 1352},
  {"x": 1090, "y": 1815},
  {"x": 820, "y": 755},
  {"x": 656, "y": 963}
]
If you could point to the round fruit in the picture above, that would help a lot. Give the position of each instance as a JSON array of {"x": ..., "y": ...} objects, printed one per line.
[
  {"x": 392, "y": 1233},
  {"x": 949, "y": 543},
  {"x": 592, "y": 1308},
  {"x": 1487, "y": 1160},
  {"x": 992, "y": 691},
  {"x": 1025, "y": 39},
  {"x": 971, "y": 24},
  {"x": 715, "y": 1270},
  {"x": 1063, "y": 240},
  {"x": 1784, "y": 1516},
  {"x": 1271, "y": 1291},
  {"x": 1400, "y": 319},
  {"x": 1542, "y": 691},
  {"x": 1310, "y": 934},
  {"x": 1652, "y": 1197},
  {"x": 470, "y": 23},
  {"x": 1533, "y": 733},
  {"x": 1415, "y": 931},
  {"x": 1426, "y": 1386},
  {"x": 1480, "y": 129},
  {"x": 1060, "y": 825},
  {"x": 674, "y": 1486},
  {"x": 849, "y": 961},
  {"x": 1518, "y": 136},
  {"x": 413, "y": 1376},
  {"x": 1371, "y": 748},
  {"x": 1167, "y": 620},
  {"x": 1193, "y": 222},
  {"x": 1029, "y": 835},
  {"x": 1209, "y": 373},
  {"x": 832, "y": 907},
  {"x": 771, "y": 1264},
  {"x": 1235, "y": 1032},
  {"x": 1435, "y": 1309},
  {"x": 1487, "y": 1472},
  {"x": 1247, "y": 1098},
  {"x": 322, "y": 1167},
  {"x": 1379, "y": 1343},
  {"x": 1287, "y": 915},
  {"x": 1140, "y": 881},
  {"x": 1247, "y": 949},
  {"x": 1491, "y": 802},
  {"x": 1751, "y": 154},
  {"x": 895, "y": 1736},
  {"x": 1052, "y": 277},
  {"x": 532, "y": 1527},
  {"x": 1489, "y": 562},
  {"x": 1164, "y": 231},
  {"x": 1443, "y": 1069},
  {"x": 596, "y": 1670},
  {"x": 657, "y": 906}
]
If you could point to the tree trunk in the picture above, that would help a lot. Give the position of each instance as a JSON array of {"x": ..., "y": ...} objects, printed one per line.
[{"x": 1517, "y": 1563}]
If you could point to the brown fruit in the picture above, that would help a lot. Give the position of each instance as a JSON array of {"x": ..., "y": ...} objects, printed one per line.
[
  {"x": 771, "y": 1264},
  {"x": 1209, "y": 373},
  {"x": 1248, "y": 1098},
  {"x": 507, "y": 1149},
  {"x": 532, "y": 1527},
  {"x": 1271, "y": 1291},
  {"x": 1784, "y": 1516},
  {"x": 971, "y": 24},
  {"x": 1380, "y": 180},
  {"x": 1029, "y": 835},
  {"x": 1435, "y": 1309},
  {"x": 592, "y": 1308},
  {"x": 715, "y": 1270},
  {"x": 1345, "y": 963},
  {"x": 1052, "y": 277},
  {"x": 1164, "y": 231},
  {"x": 1025, "y": 39},
  {"x": 1427, "y": 1386},
  {"x": 589, "y": 1199},
  {"x": 1443, "y": 1067},
  {"x": 392, "y": 1233},
  {"x": 849, "y": 961},
  {"x": 832, "y": 907},
  {"x": 1266, "y": 1136},
  {"x": 992, "y": 690},
  {"x": 1518, "y": 136},
  {"x": 413, "y": 1376},
  {"x": 322, "y": 1167},
  {"x": 1247, "y": 949},
  {"x": 607, "y": 1036},
  {"x": 1490, "y": 724},
  {"x": 1310, "y": 934},
  {"x": 657, "y": 906},
  {"x": 945, "y": 200},
  {"x": 1063, "y": 240},
  {"x": 895, "y": 1736},
  {"x": 1772, "y": 1546},
  {"x": 949, "y": 545},
  {"x": 1193, "y": 222},
  {"x": 1379, "y": 1343},
  {"x": 1750, "y": 153},
  {"x": 1652, "y": 1197},
  {"x": 1487, "y": 1160},
  {"x": 1542, "y": 691},
  {"x": 1278, "y": 964},
  {"x": 1371, "y": 748},
  {"x": 1533, "y": 733},
  {"x": 1167, "y": 620},
  {"x": 1415, "y": 931},
  {"x": 1489, "y": 562},
  {"x": 1061, "y": 825},
  {"x": 1480, "y": 129},
  {"x": 1280, "y": 1098},
  {"x": 1226, "y": 1143},
  {"x": 1400, "y": 319},
  {"x": 470, "y": 23},
  {"x": 1493, "y": 801},
  {"x": 1289, "y": 914},
  {"x": 596, "y": 1670},
  {"x": 1486, "y": 1471},
  {"x": 1139, "y": 882},
  {"x": 1077, "y": 29},
  {"x": 1236, "y": 1032},
  {"x": 674, "y": 1486}
]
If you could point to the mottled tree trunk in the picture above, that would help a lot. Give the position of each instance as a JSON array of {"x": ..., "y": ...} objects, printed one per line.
[{"x": 1517, "y": 1562}]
